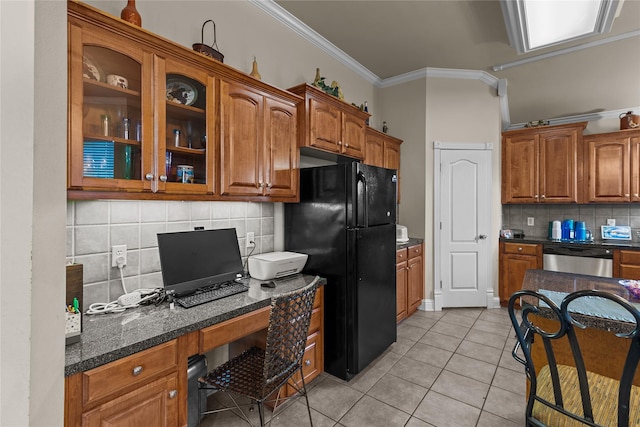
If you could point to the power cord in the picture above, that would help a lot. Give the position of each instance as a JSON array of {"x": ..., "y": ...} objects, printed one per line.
[
  {"x": 128, "y": 300},
  {"x": 245, "y": 271}
]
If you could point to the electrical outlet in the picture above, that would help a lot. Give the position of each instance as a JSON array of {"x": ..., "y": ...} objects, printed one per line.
[
  {"x": 118, "y": 255},
  {"x": 530, "y": 221},
  {"x": 250, "y": 240},
  {"x": 611, "y": 222}
]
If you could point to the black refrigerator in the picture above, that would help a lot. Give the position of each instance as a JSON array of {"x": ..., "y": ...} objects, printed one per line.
[{"x": 345, "y": 223}]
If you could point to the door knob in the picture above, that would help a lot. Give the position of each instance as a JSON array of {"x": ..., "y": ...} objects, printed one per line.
[{"x": 482, "y": 236}]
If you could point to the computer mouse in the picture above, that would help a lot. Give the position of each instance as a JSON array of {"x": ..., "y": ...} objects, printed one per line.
[{"x": 269, "y": 284}]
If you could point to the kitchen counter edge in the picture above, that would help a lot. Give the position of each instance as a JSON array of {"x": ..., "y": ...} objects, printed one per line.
[
  {"x": 596, "y": 243},
  {"x": 411, "y": 242},
  {"x": 109, "y": 337}
]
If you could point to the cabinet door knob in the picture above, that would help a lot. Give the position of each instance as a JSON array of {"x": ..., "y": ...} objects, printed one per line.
[
  {"x": 346, "y": 145},
  {"x": 269, "y": 185},
  {"x": 536, "y": 197},
  {"x": 635, "y": 195},
  {"x": 149, "y": 177},
  {"x": 542, "y": 197},
  {"x": 520, "y": 249},
  {"x": 137, "y": 371},
  {"x": 259, "y": 184},
  {"x": 339, "y": 142},
  {"x": 173, "y": 394},
  {"x": 307, "y": 362},
  {"x": 163, "y": 178},
  {"x": 626, "y": 195}
]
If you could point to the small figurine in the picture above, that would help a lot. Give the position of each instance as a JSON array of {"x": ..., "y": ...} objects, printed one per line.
[
  {"x": 384, "y": 127},
  {"x": 255, "y": 73}
]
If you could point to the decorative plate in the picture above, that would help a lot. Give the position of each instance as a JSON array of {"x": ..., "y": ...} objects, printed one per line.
[
  {"x": 181, "y": 92},
  {"x": 90, "y": 69},
  {"x": 633, "y": 286}
]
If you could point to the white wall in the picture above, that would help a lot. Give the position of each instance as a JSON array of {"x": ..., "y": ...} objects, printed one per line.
[
  {"x": 32, "y": 211},
  {"x": 462, "y": 111}
]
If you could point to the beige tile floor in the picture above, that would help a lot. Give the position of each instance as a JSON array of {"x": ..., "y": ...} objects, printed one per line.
[{"x": 449, "y": 368}]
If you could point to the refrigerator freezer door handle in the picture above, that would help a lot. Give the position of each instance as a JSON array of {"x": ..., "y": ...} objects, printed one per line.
[{"x": 365, "y": 203}]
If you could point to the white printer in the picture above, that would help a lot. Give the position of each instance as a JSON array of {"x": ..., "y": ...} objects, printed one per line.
[{"x": 272, "y": 265}]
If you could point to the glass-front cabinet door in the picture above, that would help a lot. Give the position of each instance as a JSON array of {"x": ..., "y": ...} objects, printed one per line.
[
  {"x": 185, "y": 128},
  {"x": 110, "y": 132}
]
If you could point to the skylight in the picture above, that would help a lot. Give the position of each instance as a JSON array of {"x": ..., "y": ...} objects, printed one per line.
[{"x": 535, "y": 24}]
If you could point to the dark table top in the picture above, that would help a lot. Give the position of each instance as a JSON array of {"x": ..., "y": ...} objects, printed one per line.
[
  {"x": 598, "y": 313},
  {"x": 108, "y": 337}
]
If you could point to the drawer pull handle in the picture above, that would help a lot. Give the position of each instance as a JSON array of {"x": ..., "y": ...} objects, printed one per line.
[
  {"x": 137, "y": 371},
  {"x": 307, "y": 362},
  {"x": 173, "y": 394}
]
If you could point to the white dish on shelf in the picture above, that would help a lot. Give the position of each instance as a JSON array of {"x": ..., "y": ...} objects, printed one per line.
[{"x": 181, "y": 92}]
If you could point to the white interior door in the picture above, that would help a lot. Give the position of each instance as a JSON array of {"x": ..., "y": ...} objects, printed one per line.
[{"x": 464, "y": 216}]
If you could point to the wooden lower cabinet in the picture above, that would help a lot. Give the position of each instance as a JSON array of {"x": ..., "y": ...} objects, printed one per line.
[
  {"x": 146, "y": 388},
  {"x": 155, "y": 404},
  {"x": 626, "y": 264},
  {"x": 515, "y": 260},
  {"x": 409, "y": 281}
]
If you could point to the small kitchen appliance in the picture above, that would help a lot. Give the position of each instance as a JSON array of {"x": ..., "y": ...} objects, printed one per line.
[
  {"x": 402, "y": 235},
  {"x": 273, "y": 265}
]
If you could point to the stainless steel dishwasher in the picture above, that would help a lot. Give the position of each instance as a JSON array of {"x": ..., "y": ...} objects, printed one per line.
[{"x": 568, "y": 258}]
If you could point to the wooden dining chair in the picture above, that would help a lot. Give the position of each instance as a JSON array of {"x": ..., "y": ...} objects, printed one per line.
[
  {"x": 259, "y": 374},
  {"x": 570, "y": 395}
]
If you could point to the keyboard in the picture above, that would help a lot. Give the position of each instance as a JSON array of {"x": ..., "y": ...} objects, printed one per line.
[{"x": 212, "y": 293}]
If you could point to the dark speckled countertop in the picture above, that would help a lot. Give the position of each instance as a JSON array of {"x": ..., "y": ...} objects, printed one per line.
[
  {"x": 412, "y": 241},
  {"x": 108, "y": 337},
  {"x": 541, "y": 280},
  {"x": 632, "y": 244}
]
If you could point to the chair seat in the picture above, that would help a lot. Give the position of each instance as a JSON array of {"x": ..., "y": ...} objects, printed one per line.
[
  {"x": 244, "y": 374},
  {"x": 604, "y": 399}
]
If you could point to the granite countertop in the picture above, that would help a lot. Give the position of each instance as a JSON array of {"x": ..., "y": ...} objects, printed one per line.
[
  {"x": 605, "y": 316},
  {"x": 632, "y": 244},
  {"x": 108, "y": 337},
  {"x": 412, "y": 241}
]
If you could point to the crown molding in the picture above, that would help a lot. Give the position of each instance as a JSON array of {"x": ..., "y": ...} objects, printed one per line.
[
  {"x": 294, "y": 24},
  {"x": 589, "y": 117},
  {"x": 280, "y": 14}
]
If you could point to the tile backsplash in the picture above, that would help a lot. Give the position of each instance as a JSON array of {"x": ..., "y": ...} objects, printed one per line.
[
  {"x": 93, "y": 227},
  {"x": 515, "y": 216}
]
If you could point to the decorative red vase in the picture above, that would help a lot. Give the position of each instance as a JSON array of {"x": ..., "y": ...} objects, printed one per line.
[{"x": 130, "y": 13}]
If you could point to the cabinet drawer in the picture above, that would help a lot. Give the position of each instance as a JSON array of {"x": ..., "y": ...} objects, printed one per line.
[
  {"x": 414, "y": 251},
  {"x": 310, "y": 361},
  {"x": 401, "y": 255},
  {"x": 124, "y": 373},
  {"x": 316, "y": 320},
  {"x": 520, "y": 248},
  {"x": 630, "y": 257}
]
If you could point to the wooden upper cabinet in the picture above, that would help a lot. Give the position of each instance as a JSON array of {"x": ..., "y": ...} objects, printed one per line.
[
  {"x": 541, "y": 165},
  {"x": 158, "y": 132},
  {"x": 612, "y": 165},
  {"x": 330, "y": 124},
  {"x": 104, "y": 149},
  {"x": 374, "y": 149},
  {"x": 182, "y": 139},
  {"x": 258, "y": 153},
  {"x": 383, "y": 150}
]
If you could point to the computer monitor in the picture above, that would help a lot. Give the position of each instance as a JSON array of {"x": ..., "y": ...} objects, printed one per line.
[{"x": 191, "y": 260}]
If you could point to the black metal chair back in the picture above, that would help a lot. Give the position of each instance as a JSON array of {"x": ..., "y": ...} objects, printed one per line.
[
  {"x": 561, "y": 395},
  {"x": 287, "y": 333},
  {"x": 258, "y": 373}
]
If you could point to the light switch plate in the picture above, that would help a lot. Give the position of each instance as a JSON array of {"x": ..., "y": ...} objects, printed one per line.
[
  {"x": 530, "y": 221},
  {"x": 611, "y": 222}
]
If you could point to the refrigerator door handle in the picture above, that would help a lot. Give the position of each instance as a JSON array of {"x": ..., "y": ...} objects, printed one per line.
[{"x": 365, "y": 203}]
